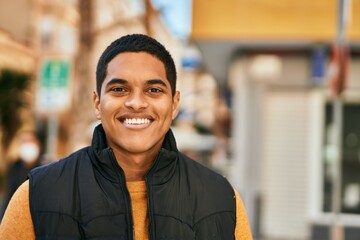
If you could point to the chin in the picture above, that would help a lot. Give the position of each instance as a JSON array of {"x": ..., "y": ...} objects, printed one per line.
[{"x": 138, "y": 147}]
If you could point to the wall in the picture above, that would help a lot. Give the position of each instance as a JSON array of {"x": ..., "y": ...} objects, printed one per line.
[{"x": 275, "y": 19}]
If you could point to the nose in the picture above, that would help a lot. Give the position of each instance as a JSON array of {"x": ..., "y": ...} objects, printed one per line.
[{"x": 136, "y": 101}]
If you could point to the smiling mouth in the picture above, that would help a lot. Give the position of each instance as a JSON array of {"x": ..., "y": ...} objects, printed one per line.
[{"x": 136, "y": 121}]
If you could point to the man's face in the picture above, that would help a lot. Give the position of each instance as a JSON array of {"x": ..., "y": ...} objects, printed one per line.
[{"x": 136, "y": 106}]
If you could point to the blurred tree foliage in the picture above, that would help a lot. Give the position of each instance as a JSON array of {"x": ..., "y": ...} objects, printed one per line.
[{"x": 12, "y": 87}]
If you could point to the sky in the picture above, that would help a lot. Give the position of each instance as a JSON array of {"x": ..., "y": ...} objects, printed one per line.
[{"x": 176, "y": 14}]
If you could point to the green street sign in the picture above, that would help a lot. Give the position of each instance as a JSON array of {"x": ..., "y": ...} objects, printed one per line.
[
  {"x": 55, "y": 73},
  {"x": 53, "y": 93}
]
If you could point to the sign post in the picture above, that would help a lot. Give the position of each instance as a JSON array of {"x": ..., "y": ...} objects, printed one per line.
[
  {"x": 338, "y": 84},
  {"x": 53, "y": 96}
]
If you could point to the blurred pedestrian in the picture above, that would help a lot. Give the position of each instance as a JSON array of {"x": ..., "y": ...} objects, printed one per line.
[
  {"x": 132, "y": 182},
  {"x": 27, "y": 157}
]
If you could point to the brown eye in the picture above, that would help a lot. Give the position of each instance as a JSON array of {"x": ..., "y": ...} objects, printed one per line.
[
  {"x": 155, "y": 90},
  {"x": 118, "y": 89}
]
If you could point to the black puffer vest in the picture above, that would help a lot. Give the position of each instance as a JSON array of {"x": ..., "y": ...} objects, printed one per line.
[{"x": 84, "y": 196}]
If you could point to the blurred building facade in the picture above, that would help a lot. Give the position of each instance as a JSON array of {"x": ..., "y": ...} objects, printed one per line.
[
  {"x": 273, "y": 59},
  {"x": 46, "y": 30},
  {"x": 18, "y": 56}
]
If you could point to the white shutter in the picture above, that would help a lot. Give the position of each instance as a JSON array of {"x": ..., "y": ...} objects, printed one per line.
[{"x": 285, "y": 179}]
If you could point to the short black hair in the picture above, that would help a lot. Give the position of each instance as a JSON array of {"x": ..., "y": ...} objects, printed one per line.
[{"x": 136, "y": 43}]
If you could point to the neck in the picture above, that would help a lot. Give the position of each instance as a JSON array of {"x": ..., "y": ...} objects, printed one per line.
[{"x": 135, "y": 166}]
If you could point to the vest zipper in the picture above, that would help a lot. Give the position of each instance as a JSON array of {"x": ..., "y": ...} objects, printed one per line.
[
  {"x": 126, "y": 193},
  {"x": 149, "y": 202}
]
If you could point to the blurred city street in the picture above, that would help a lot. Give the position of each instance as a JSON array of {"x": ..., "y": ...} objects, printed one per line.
[{"x": 270, "y": 97}]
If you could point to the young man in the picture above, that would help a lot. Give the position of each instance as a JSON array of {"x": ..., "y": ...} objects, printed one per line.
[{"x": 132, "y": 182}]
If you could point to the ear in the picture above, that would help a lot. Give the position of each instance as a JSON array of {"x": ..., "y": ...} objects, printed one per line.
[
  {"x": 96, "y": 102},
  {"x": 175, "y": 105}
]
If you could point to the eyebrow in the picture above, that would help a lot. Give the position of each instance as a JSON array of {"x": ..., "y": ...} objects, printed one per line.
[
  {"x": 116, "y": 81},
  {"x": 156, "y": 81},
  {"x": 122, "y": 81}
]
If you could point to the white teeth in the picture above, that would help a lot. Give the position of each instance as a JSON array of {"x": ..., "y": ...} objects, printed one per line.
[{"x": 137, "y": 121}]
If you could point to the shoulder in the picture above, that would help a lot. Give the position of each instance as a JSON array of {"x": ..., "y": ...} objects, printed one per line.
[
  {"x": 50, "y": 184},
  {"x": 242, "y": 229},
  {"x": 203, "y": 174},
  {"x": 205, "y": 180},
  {"x": 66, "y": 165},
  {"x": 17, "y": 222}
]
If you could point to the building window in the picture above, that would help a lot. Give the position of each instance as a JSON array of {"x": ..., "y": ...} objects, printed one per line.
[
  {"x": 46, "y": 31},
  {"x": 350, "y": 159}
]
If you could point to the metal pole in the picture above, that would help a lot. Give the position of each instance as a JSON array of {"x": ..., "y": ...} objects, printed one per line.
[
  {"x": 52, "y": 135},
  {"x": 337, "y": 231}
]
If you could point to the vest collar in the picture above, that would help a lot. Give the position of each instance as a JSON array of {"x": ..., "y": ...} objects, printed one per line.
[{"x": 160, "y": 172}]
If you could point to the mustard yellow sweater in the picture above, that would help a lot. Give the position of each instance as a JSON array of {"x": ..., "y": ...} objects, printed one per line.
[{"x": 17, "y": 223}]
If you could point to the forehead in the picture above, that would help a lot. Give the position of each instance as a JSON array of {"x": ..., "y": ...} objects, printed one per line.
[
  {"x": 143, "y": 59},
  {"x": 132, "y": 66}
]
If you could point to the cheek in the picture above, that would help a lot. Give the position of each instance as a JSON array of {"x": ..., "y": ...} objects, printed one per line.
[
  {"x": 104, "y": 110},
  {"x": 168, "y": 113},
  {"x": 108, "y": 106}
]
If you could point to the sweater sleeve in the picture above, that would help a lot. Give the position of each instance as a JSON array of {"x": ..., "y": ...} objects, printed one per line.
[
  {"x": 242, "y": 229},
  {"x": 17, "y": 223}
]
